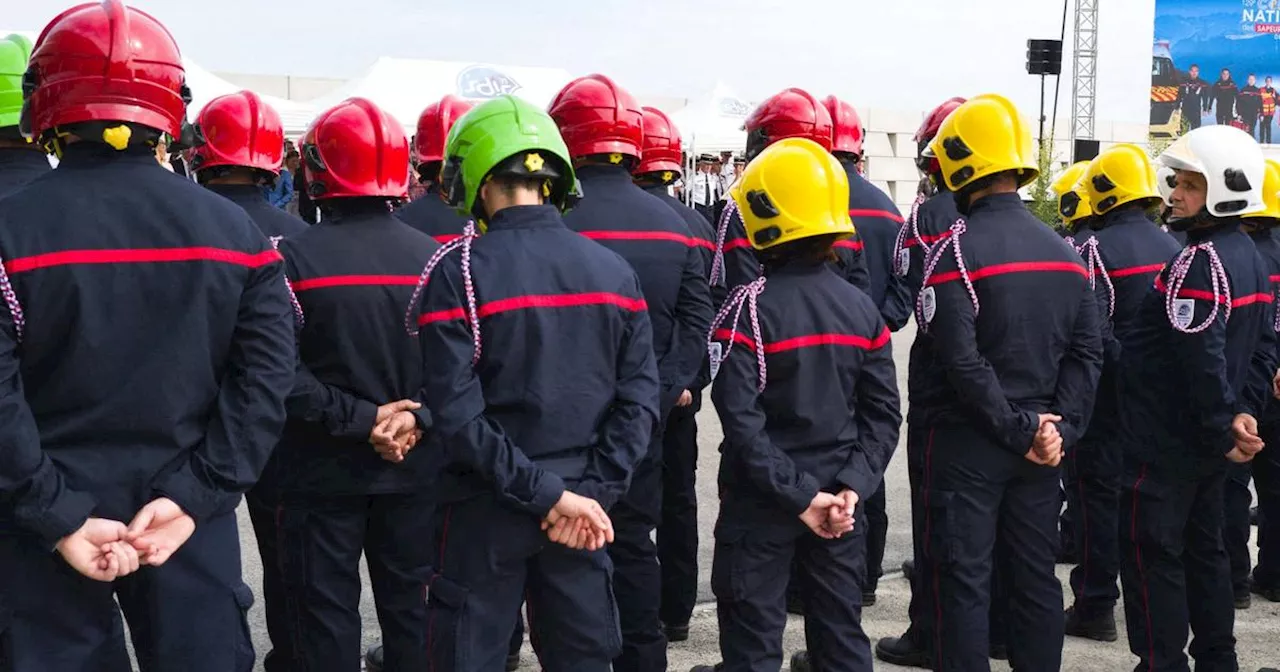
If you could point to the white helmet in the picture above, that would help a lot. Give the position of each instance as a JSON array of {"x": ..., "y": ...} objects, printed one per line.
[
  {"x": 1165, "y": 181},
  {"x": 1231, "y": 162}
]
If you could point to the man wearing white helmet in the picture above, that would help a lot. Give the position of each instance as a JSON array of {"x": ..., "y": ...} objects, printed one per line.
[
  {"x": 1187, "y": 412},
  {"x": 1166, "y": 180}
]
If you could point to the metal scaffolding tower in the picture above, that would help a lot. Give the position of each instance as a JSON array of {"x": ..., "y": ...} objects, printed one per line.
[{"x": 1084, "y": 77}]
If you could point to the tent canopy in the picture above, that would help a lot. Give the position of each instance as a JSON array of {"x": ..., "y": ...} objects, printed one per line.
[
  {"x": 714, "y": 122},
  {"x": 403, "y": 87}
]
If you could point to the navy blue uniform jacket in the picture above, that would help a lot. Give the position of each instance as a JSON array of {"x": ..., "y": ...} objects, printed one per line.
[
  {"x": 829, "y": 414},
  {"x": 432, "y": 216},
  {"x": 154, "y": 350},
  {"x": 565, "y": 392},
  {"x": 1133, "y": 251},
  {"x": 877, "y": 220},
  {"x": 353, "y": 275},
  {"x": 20, "y": 166},
  {"x": 665, "y": 255},
  {"x": 1180, "y": 391},
  {"x": 1032, "y": 345},
  {"x": 930, "y": 223},
  {"x": 274, "y": 222},
  {"x": 1267, "y": 358}
]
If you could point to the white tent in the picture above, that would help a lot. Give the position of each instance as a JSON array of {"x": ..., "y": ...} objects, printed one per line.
[
  {"x": 206, "y": 86},
  {"x": 713, "y": 122},
  {"x": 403, "y": 87}
]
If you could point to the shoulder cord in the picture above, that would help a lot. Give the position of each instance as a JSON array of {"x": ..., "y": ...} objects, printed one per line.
[
  {"x": 462, "y": 242},
  {"x": 742, "y": 295},
  {"x": 900, "y": 266},
  {"x": 1096, "y": 269},
  {"x": 1220, "y": 286},
  {"x": 931, "y": 261}
]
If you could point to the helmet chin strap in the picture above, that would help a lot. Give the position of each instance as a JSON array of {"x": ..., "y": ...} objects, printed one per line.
[{"x": 1184, "y": 224}]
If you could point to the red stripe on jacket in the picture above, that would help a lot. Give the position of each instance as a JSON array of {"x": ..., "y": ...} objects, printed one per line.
[
  {"x": 141, "y": 256},
  {"x": 539, "y": 301},
  {"x": 354, "y": 281},
  {"x": 809, "y": 341}
]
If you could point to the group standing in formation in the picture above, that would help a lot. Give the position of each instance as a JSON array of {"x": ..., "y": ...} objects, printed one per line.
[{"x": 490, "y": 394}]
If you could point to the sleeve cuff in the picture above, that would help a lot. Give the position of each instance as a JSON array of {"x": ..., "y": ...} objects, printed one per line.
[
  {"x": 424, "y": 418},
  {"x": 363, "y": 417},
  {"x": 189, "y": 493},
  {"x": 799, "y": 499},
  {"x": 67, "y": 514},
  {"x": 858, "y": 481},
  {"x": 550, "y": 488},
  {"x": 1023, "y": 435}
]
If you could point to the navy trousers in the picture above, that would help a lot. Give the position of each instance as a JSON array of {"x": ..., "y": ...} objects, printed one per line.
[
  {"x": 1096, "y": 467},
  {"x": 678, "y": 531}
]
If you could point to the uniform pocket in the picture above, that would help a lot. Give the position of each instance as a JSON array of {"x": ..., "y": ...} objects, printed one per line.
[
  {"x": 446, "y": 623},
  {"x": 244, "y": 646},
  {"x": 609, "y": 608},
  {"x": 942, "y": 534}
]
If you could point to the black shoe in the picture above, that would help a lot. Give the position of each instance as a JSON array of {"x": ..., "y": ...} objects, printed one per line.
[
  {"x": 1100, "y": 628},
  {"x": 513, "y": 662},
  {"x": 998, "y": 652},
  {"x": 795, "y": 605},
  {"x": 373, "y": 659},
  {"x": 800, "y": 662},
  {"x": 707, "y": 668},
  {"x": 909, "y": 570},
  {"x": 1268, "y": 593},
  {"x": 1068, "y": 556},
  {"x": 1243, "y": 601},
  {"x": 869, "y": 599},
  {"x": 1268, "y": 669},
  {"x": 676, "y": 633},
  {"x": 903, "y": 651}
]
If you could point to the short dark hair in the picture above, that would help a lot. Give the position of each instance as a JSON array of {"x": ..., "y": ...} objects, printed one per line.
[
  {"x": 1194, "y": 65},
  {"x": 293, "y": 154}
]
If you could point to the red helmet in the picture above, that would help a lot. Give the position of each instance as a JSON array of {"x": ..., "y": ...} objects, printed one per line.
[
  {"x": 434, "y": 125},
  {"x": 356, "y": 149},
  {"x": 847, "y": 133},
  {"x": 596, "y": 116},
  {"x": 105, "y": 62},
  {"x": 929, "y": 128},
  {"x": 662, "y": 150},
  {"x": 239, "y": 130},
  {"x": 794, "y": 113}
]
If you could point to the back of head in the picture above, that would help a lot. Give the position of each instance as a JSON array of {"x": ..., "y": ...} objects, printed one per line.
[
  {"x": 981, "y": 139},
  {"x": 1073, "y": 199},
  {"x": 433, "y": 129},
  {"x": 238, "y": 130},
  {"x": 924, "y": 135},
  {"x": 791, "y": 113},
  {"x": 661, "y": 151},
  {"x": 599, "y": 120},
  {"x": 1120, "y": 176},
  {"x": 506, "y": 139},
  {"x": 793, "y": 190},
  {"x": 356, "y": 150},
  {"x": 847, "y": 131},
  {"x": 104, "y": 72}
]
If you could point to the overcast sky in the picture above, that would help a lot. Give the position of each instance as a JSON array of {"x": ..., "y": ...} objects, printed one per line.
[{"x": 900, "y": 54}]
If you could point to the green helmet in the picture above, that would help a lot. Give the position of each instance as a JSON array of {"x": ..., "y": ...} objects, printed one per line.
[
  {"x": 15, "y": 51},
  {"x": 505, "y": 136}
]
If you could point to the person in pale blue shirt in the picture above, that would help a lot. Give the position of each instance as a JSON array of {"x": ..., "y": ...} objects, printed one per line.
[{"x": 281, "y": 193}]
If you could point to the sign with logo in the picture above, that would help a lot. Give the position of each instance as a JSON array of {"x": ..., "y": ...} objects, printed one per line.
[
  {"x": 732, "y": 107},
  {"x": 482, "y": 81}
]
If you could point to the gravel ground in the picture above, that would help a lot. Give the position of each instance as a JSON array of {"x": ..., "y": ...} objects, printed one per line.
[{"x": 1256, "y": 628}]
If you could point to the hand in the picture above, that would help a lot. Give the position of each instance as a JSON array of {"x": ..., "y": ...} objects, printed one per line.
[
  {"x": 396, "y": 436},
  {"x": 385, "y": 411},
  {"x": 818, "y": 516},
  {"x": 1275, "y": 385},
  {"x": 159, "y": 530},
  {"x": 1244, "y": 428},
  {"x": 572, "y": 506},
  {"x": 575, "y": 533},
  {"x": 97, "y": 551},
  {"x": 840, "y": 517},
  {"x": 686, "y": 398},
  {"x": 1046, "y": 446},
  {"x": 1239, "y": 456}
]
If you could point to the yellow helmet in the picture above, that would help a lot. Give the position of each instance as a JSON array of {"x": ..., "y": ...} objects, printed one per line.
[
  {"x": 984, "y": 136},
  {"x": 1270, "y": 192},
  {"x": 1073, "y": 201},
  {"x": 1122, "y": 174},
  {"x": 793, "y": 189}
]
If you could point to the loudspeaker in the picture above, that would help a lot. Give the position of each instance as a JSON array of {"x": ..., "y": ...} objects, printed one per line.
[
  {"x": 1084, "y": 150},
  {"x": 1044, "y": 57}
]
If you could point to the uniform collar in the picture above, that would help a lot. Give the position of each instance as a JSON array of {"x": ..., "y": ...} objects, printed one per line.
[
  {"x": 86, "y": 154},
  {"x": 1125, "y": 216},
  {"x": 526, "y": 217},
  {"x": 596, "y": 171},
  {"x": 997, "y": 203},
  {"x": 797, "y": 268},
  {"x": 1221, "y": 226},
  {"x": 25, "y": 158},
  {"x": 240, "y": 193}
]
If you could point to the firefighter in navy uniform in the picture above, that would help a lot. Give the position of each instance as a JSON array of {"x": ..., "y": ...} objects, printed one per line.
[
  {"x": 21, "y": 160},
  {"x": 1124, "y": 257},
  {"x": 1237, "y": 497},
  {"x": 532, "y": 430},
  {"x": 807, "y": 395},
  {"x": 793, "y": 113},
  {"x": 242, "y": 148},
  {"x": 147, "y": 354},
  {"x": 1184, "y": 408},
  {"x": 659, "y": 246},
  {"x": 1002, "y": 402},
  {"x": 677, "y": 537},
  {"x": 345, "y": 490},
  {"x": 877, "y": 221},
  {"x": 429, "y": 213},
  {"x": 1166, "y": 180},
  {"x": 1265, "y": 581}
]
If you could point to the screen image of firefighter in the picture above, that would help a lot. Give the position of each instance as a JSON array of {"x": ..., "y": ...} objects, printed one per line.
[{"x": 1215, "y": 62}]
